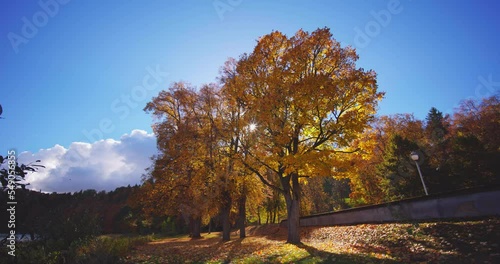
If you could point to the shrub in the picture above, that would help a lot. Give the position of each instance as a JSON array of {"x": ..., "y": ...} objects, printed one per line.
[{"x": 105, "y": 249}]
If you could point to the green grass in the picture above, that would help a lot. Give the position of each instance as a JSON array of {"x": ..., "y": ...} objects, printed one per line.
[
  {"x": 102, "y": 249},
  {"x": 106, "y": 248}
]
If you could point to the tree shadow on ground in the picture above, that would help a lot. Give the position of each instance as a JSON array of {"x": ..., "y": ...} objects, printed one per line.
[
  {"x": 471, "y": 241},
  {"x": 253, "y": 249},
  {"x": 442, "y": 242},
  {"x": 175, "y": 250},
  {"x": 329, "y": 257},
  {"x": 277, "y": 233}
]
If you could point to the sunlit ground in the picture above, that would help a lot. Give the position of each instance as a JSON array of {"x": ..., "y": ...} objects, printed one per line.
[{"x": 445, "y": 242}]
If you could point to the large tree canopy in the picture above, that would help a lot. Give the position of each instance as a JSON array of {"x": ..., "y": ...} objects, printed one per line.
[{"x": 307, "y": 101}]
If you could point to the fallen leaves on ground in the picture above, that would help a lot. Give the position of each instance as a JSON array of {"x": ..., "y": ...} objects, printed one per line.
[{"x": 439, "y": 242}]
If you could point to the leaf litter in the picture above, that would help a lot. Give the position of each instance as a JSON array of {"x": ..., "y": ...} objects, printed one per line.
[{"x": 433, "y": 242}]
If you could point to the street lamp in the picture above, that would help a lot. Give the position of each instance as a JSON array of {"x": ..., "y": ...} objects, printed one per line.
[{"x": 414, "y": 156}]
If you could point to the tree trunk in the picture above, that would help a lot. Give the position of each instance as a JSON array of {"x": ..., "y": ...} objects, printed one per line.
[
  {"x": 292, "y": 198},
  {"x": 242, "y": 215},
  {"x": 195, "y": 227},
  {"x": 293, "y": 222},
  {"x": 258, "y": 216},
  {"x": 226, "y": 210}
]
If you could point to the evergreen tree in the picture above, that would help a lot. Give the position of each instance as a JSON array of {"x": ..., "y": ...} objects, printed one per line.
[
  {"x": 437, "y": 149},
  {"x": 435, "y": 126},
  {"x": 398, "y": 171}
]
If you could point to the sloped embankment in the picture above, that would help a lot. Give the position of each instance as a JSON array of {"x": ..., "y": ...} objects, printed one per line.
[{"x": 439, "y": 242}]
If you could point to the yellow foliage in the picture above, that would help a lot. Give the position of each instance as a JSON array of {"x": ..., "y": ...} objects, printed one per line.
[{"x": 290, "y": 109}]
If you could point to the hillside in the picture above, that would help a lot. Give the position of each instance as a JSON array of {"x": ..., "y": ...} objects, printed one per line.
[{"x": 443, "y": 242}]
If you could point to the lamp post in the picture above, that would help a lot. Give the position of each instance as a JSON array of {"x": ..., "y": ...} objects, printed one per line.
[{"x": 414, "y": 156}]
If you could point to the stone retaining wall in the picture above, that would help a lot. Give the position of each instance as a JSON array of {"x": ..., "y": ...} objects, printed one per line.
[{"x": 472, "y": 203}]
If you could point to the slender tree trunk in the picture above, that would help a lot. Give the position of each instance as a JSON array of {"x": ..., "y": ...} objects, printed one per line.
[
  {"x": 242, "y": 215},
  {"x": 195, "y": 227},
  {"x": 274, "y": 214},
  {"x": 258, "y": 216},
  {"x": 226, "y": 195},
  {"x": 226, "y": 210}
]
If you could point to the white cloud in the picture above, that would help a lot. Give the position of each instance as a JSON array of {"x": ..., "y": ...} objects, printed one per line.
[{"x": 102, "y": 165}]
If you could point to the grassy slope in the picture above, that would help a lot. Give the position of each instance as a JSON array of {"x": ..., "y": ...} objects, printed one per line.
[{"x": 443, "y": 242}]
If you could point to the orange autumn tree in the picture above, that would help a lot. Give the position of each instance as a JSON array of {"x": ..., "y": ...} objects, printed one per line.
[
  {"x": 188, "y": 168},
  {"x": 307, "y": 102},
  {"x": 195, "y": 175},
  {"x": 366, "y": 185},
  {"x": 474, "y": 148}
]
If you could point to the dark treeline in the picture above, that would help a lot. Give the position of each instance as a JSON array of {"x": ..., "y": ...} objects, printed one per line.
[
  {"x": 71, "y": 216},
  {"x": 54, "y": 215},
  {"x": 66, "y": 217}
]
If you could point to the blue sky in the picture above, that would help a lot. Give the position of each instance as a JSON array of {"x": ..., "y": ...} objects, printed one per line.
[{"x": 82, "y": 68}]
